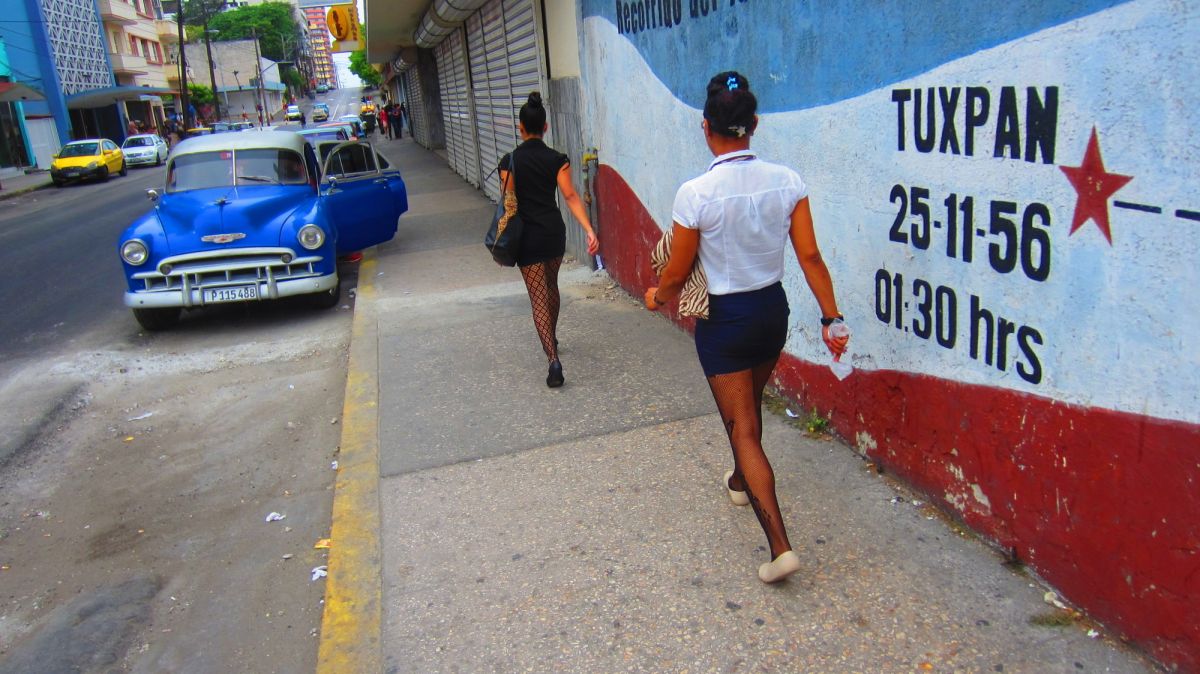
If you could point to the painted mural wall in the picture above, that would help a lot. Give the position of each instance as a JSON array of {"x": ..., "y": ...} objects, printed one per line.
[{"x": 1006, "y": 197}]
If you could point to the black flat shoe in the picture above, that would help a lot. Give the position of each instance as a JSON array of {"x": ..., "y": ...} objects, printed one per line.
[{"x": 554, "y": 378}]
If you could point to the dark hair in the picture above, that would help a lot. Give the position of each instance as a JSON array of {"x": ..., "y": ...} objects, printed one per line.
[
  {"x": 533, "y": 115},
  {"x": 730, "y": 107}
]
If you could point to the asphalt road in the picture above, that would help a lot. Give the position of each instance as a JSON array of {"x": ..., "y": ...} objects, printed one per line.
[
  {"x": 137, "y": 469},
  {"x": 58, "y": 261}
]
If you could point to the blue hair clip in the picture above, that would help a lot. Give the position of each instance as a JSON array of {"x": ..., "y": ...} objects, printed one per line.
[{"x": 731, "y": 83}]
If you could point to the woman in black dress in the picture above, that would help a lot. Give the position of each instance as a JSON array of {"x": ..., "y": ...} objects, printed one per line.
[{"x": 540, "y": 169}]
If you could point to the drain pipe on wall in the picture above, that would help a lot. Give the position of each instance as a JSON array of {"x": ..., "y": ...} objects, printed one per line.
[{"x": 591, "y": 156}]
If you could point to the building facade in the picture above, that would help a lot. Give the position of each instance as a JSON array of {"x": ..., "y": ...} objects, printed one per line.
[
  {"x": 1005, "y": 204},
  {"x": 324, "y": 72},
  {"x": 237, "y": 73},
  {"x": 135, "y": 30}
]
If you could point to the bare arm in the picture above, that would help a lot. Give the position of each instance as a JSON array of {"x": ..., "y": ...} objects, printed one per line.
[
  {"x": 577, "y": 208},
  {"x": 816, "y": 274},
  {"x": 684, "y": 246}
]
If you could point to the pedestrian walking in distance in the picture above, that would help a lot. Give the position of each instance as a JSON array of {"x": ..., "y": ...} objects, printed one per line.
[
  {"x": 737, "y": 218},
  {"x": 539, "y": 170}
]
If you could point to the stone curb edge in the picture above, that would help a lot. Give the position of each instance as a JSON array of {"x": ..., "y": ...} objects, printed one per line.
[{"x": 351, "y": 624}]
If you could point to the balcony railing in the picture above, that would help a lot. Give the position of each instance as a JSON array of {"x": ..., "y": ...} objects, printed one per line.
[
  {"x": 128, "y": 64},
  {"x": 168, "y": 31},
  {"x": 115, "y": 11}
]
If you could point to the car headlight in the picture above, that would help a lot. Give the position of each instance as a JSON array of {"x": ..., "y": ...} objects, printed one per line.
[
  {"x": 134, "y": 252},
  {"x": 311, "y": 237},
  {"x": 93, "y": 165}
]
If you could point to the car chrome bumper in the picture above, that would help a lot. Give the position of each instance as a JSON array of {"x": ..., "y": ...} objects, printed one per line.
[
  {"x": 151, "y": 159},
  {"x": 267, "y": 290}
]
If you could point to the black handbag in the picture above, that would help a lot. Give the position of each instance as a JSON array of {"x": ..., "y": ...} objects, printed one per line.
[{"x": 503, "y": 238}]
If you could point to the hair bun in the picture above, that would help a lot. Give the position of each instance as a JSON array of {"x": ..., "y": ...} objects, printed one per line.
[{"x": 535, "y": 98}]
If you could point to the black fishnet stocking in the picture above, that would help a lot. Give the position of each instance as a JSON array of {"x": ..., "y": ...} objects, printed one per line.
[
  {"x": 739, "y": 401},
  {"x": 541, "y": 280}
]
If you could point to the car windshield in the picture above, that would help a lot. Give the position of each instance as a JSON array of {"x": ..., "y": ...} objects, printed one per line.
[
  {"x": 79, "y": 150},
  {"x": 138, "y": 141},
  {"x": 252, "y": 167}
]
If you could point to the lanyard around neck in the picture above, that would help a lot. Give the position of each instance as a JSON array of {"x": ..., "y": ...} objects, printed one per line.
[{"x": 730, "y": 160}]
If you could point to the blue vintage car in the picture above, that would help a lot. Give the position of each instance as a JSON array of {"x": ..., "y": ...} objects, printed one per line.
[{"x": 253, "y": 216}]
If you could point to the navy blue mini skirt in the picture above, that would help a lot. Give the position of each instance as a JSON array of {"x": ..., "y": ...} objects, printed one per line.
[{"x": 742, "y": 330}]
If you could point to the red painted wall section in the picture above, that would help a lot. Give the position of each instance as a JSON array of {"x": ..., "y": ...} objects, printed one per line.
[{"x": 1103, "y": 505}]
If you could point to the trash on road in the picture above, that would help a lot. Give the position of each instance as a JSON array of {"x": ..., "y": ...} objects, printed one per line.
[
  {"x": 1052, "y": 599},
  {"x": 288, "y": 556},
  {"x": 1092, "y": 634},
  {"x": 320, "y": 572},
  {"x": 275, "y": 517},
  {"x": 791, "y": 414},
  {"x": 333, "y": 421},
  {"x": 139, "y": 417},
  {"x": 333, "y": 465},
  {"x": 323, "y": 544}
]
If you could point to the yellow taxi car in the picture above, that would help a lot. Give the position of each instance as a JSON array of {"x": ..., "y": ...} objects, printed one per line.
[{"x": 92, "y": 158}]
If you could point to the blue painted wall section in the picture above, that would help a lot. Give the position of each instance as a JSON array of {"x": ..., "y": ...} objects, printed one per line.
[{"x": 833, "y": 49}]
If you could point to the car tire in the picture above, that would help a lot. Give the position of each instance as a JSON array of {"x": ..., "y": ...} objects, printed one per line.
[
  {"x": 328, "y": 299},
  {"x": 124, "y": 168},
  {"x": 155, "y": 320},
  {"x": 58, "y": 183},
  {"x": 157, "y": 159},
  {"x": 103, "y": 174}
]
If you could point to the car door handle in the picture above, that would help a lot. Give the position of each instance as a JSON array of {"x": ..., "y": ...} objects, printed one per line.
[{"x": 381, "y": 180}]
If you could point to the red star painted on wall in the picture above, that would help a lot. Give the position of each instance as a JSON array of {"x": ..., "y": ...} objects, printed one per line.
[{"x": 1094, "y": 186}]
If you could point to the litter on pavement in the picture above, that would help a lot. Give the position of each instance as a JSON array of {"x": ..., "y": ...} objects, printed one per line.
[
  {"x": 275, "y": 517},
  {"x": 319, "y": 572}
]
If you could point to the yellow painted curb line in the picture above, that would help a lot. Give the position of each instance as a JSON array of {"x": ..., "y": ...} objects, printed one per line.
[{"x": 352, "y": 622}]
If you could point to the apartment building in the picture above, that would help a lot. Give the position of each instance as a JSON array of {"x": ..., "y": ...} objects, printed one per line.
[
  {"x": 324, "y": 72},
  {"x": 134, "y": 31}
]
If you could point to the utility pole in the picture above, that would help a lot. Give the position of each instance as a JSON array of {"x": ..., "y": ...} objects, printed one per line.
[
  {"x": 258, "y": 95},
  {"x": 212, "y": 78},
  {"x": 185, "y": 104}
]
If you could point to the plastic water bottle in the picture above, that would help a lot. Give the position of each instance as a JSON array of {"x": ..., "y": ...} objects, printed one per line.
[{"x": 841, "y": 369}]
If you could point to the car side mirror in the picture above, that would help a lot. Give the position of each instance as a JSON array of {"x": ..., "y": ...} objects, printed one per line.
[
  {"x": 152, "y": 195},
  {"x": 332, "y": 182}
]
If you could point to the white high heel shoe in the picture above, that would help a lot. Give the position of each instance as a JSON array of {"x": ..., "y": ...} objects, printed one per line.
[
  {"x": 739, "y": 498},
  {"x": 783, "y": 566}
]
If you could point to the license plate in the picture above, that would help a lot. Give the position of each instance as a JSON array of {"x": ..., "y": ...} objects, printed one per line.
[{"x": 230, "y": 294}]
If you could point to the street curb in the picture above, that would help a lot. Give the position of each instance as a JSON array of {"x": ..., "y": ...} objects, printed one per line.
[
  {"x": 352, "y": 621},
  {"x": 18, "y": 191}
]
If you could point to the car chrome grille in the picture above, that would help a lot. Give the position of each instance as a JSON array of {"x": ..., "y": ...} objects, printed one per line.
[{"x": 229, "y": 267}]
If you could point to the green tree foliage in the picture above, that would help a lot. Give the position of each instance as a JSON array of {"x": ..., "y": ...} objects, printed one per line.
[
  {"x": 274, "y": 22},
  {"x": 293, "y": 79},
  {"x": 361, "y": 67},
  {"x": 199, "y": 94}
]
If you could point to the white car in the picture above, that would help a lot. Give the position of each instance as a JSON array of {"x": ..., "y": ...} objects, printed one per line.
[
  {"x": 144, "y": 148},
  {"x": 293, "y": 113}
]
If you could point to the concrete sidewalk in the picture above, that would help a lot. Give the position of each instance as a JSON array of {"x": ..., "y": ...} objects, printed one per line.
[
  {"x": 22, "y": 184},
  {"x": 585, "y": 529}
]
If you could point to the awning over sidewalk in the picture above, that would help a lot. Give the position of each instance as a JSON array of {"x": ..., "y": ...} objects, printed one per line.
[
  {"x": 96, "y": 98},
  {"x": 15, "y": 92}
]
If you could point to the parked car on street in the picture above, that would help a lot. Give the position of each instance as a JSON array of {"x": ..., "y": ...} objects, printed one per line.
[
  {"x": 355, "y": 122},
  {"x": 145, "y": 148},
  {"x": 318, "y": 134},
  {"x": 96, "y": 158},
  {"x": 322, "y": 88},
  {"x": 320, "y": 112},
  {"x": 293, "y": 113},
  {"x": 253, "y": 216}
]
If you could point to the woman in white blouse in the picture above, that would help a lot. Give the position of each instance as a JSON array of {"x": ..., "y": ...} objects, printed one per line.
[{"x": 737, "y": 217}]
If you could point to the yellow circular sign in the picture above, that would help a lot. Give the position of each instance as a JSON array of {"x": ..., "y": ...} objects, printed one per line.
[{"x": 339, "y": 22}]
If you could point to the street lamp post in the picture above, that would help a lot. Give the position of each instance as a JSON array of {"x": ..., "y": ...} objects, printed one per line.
[
  {"x": 243, "y": 101},
  {"x": 212, "y": 77}
]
